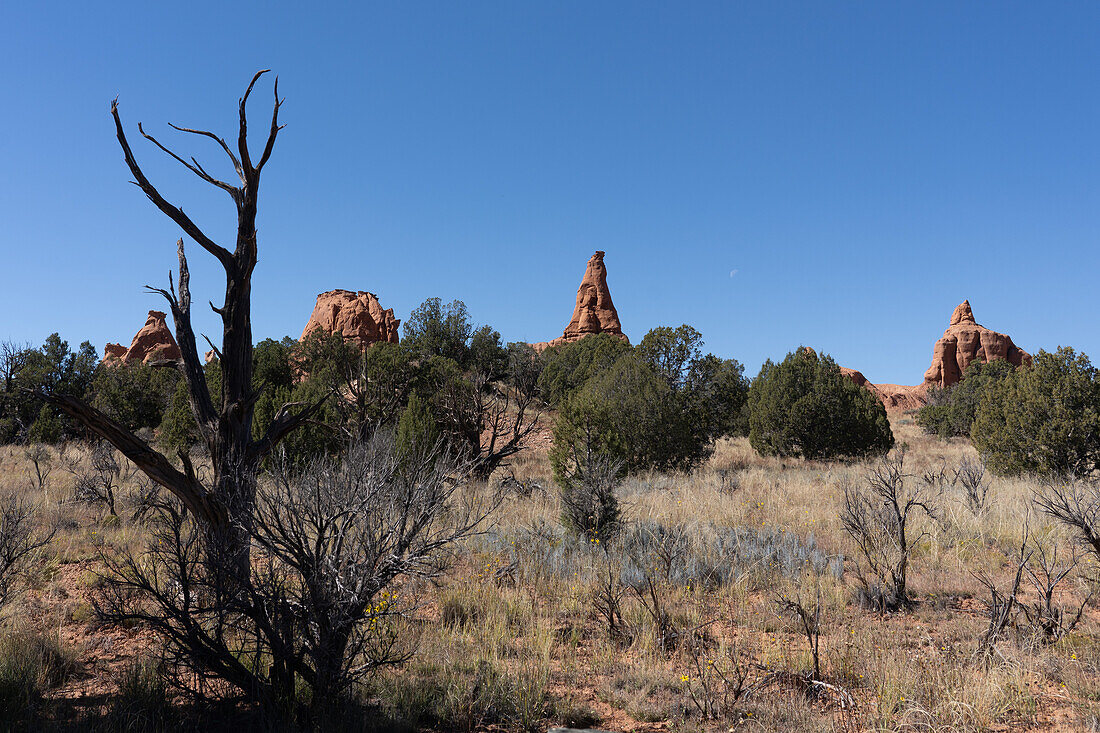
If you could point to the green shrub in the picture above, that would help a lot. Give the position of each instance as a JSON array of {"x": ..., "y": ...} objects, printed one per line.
[
  {"x": 434, "y": 329},
  {"x": 178, "y": 430},
  {"x": 660, "y": 406},
  {"x": 1043, "y": 418},
  {"x": 136, "y": 395},
  {"x": 417, "y": 432},
  {"x": 805, "y": 407},
  {"x": 950, "y": 412},
  {"x": 590, "y": 505},
  {"x": 567, "y": 367},
  {"x": 628, "y": 414},
  {"x": 712, "y": 390},
  {"x": 54, "y": 368}
]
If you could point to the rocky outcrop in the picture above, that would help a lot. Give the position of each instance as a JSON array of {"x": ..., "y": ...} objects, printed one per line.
[
  {"x": 153, "y": 344},
  {"x": 964, "y": 341},
  {"x": 594, "y": 312},
  {"x": 357, "y": 316}
]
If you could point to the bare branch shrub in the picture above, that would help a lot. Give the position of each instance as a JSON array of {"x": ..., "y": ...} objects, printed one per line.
[
  {"x": 809, "y": 623},
  {"x": 1048, "y": 619},
  {"x": 1075, "y": 503},
  {"x": 649, "y": 595},
  {"x": 970, "y": 475},
  {"x": 1003, "y": 606},
  {"x": 99, "y": 483},
  {"x": 18, "y": 541},
  {"x": 608, "y": 599},
  {"x": 718, "y": 684},
  {"x": 42, "y": 461},
  {"x": 336, "y": 543},
  {"x": 520, "y": 488},
  {"x": 878, "y": 515}
]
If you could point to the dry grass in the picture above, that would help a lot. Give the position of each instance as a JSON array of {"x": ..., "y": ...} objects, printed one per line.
[{"x": 511, "y": 638}]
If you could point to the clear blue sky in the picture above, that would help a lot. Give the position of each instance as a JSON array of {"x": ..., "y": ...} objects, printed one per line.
[{"x": 834, "y": 174}]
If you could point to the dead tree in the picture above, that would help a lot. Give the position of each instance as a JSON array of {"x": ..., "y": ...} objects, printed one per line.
[
  {"x": 225, "y": 420},
  {"x": 1048, "y": 618},
  {"x": 878, "y": 515},
  {"x": 1003, "y": 606}
]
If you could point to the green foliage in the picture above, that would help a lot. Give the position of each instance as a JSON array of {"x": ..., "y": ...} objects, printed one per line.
[
  {"x": 417, "y": 431},
  {"x": 273, "y": 362},
  {"x": 487, "y": 354},
  {"x": 671, "y": 352},
  {"x": 54, "y": 367},
  {"x": 712, "y": 391},
  {"x": 135, "y": 395},
  {"x": 629, "y": 414},
  {"x": 434, "y": 329},
  {"x": 805, "y": 407},
  {"x": 950, "y": 412},
  {"x": 660, "y": 406},
  {"x": 524, "y": 368},
  {"x": 590, "y": 505},
  {"x": 1043, "y": 418},
  {"x": 47, "y": 427},
  {"x": 717, "y": 393},
  {"x": 178, "y": 430},
  {"x": 567, "y": 367}
]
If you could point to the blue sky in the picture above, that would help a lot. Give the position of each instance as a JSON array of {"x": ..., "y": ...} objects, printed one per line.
[{"x": 833, "y": 174}]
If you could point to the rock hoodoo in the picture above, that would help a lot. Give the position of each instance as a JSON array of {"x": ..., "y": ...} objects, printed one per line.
[
  {"x": 964, "y": 341},
  {"x": 153, "y": 344},
  {"x": 594, "y": 311},
  {"x": 357, "y": 316}
]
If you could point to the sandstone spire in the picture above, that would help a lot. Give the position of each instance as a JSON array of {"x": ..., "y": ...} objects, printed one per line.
[
  {"x": 594, "y": 312},
  {"x": 154, "y": 343}
]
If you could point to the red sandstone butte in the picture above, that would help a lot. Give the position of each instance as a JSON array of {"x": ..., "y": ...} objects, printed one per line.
[
  {"x": 964, "y": 341},
  {"x": 357, "y": 316}
]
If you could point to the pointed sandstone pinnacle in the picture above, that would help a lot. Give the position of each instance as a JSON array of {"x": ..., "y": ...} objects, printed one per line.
[
  {"x": 357, "y": 316},
  {"x": 594, "y": 311},
  {"x": 964, "y": 341},
  {"x": 153, "y": 344},
  {"x": 962, "y": 314}
]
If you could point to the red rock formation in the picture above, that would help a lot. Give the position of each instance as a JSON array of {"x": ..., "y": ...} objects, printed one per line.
[
  {"x": 153, "y": 344},
  {"x": 963, "y": 342},
  {"x": 594, "y": 311},
  {"x": 356, "y": 316},
  {"x": 113, "y": 351}
]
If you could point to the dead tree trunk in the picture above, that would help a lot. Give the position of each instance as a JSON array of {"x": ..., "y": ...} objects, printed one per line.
[{"x": 225, "y": 420}]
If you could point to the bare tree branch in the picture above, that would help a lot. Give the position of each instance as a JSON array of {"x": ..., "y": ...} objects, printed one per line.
[
  {"x": 242, "y": 137},
  {"x": 275, "y": 127},
  {"x": 284, "y": 423},
  {"x": 220, "y": 141},
  {"x": 196, "y": 498},
  {"x": 172, "y": 212},
  {"x": 195, "y": 168}
]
